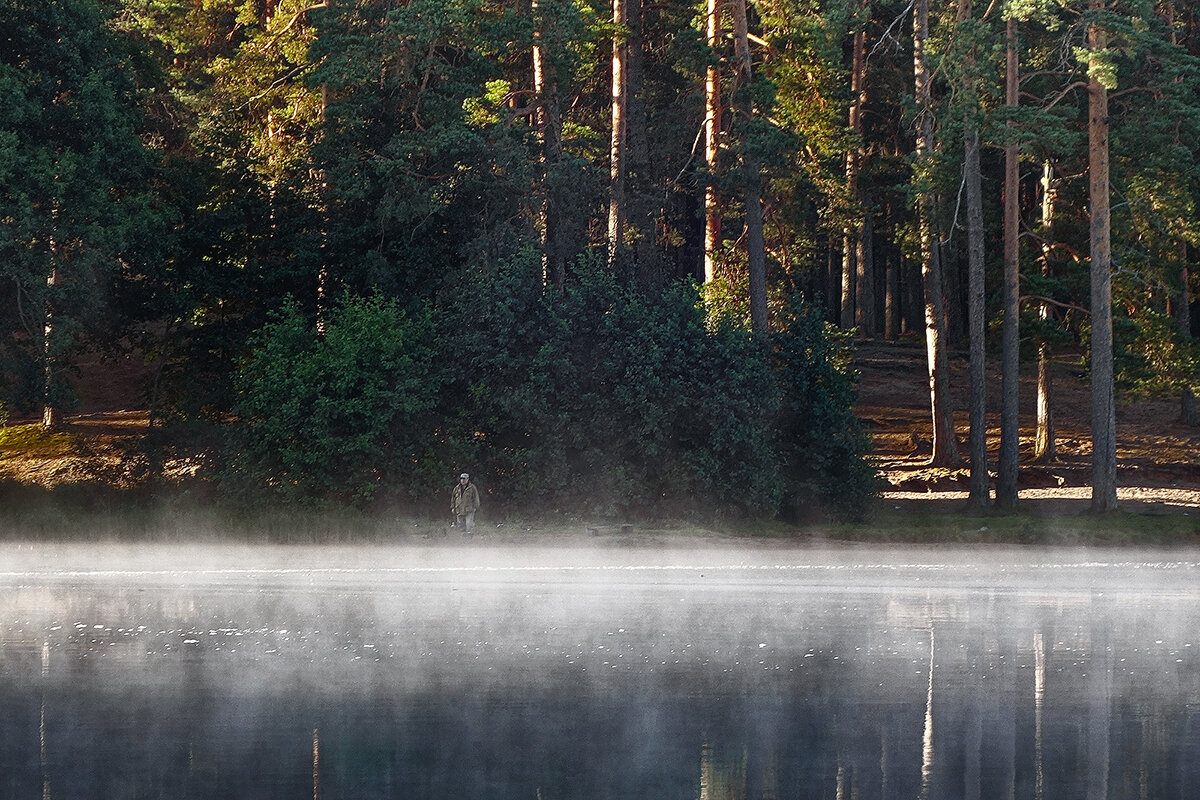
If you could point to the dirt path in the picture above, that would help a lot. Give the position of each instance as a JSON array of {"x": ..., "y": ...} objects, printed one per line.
[{"x": 1158, "y": 457}]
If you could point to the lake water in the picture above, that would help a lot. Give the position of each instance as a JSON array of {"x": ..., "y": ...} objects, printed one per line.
[{"x": 448, "y": 670}]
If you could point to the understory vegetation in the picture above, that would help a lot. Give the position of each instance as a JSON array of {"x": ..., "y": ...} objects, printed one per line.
[
  {"x": 609, "y": 401},
  {"x": 607, "y": 256}
]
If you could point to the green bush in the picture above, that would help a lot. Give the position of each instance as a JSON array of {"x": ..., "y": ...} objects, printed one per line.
[
  {"x": 822, "y": 445},
  {"x": 342, "y": 415},
  {"x": 606, "y": 401}
]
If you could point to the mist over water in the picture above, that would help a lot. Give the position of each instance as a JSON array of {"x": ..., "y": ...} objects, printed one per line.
[{"x": 456, "y": 671}]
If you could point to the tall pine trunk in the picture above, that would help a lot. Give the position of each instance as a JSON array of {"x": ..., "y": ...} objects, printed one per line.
[
  {"x": 756, "y": 257},
  {"x": 712, "y": 141},
  {"x": 980, "y": 490},
  {"x": 644, "y": 203},
  {"x": 891, "y": 299},
  {"x": 852, "y": 234},
  {"x": 1044, "y": 448},
  {"x": 1188, "y": 412},
  {"x": 616, "y": 170},
  {"x": 549, "y": 126},
  {"x": 846, "y": 317},
  {"x": 1006, "y": 471},
  {"x": 945, "y": 443},
  {"x": 51, "y": 414},
  {"x": 1104, "y": 422},
  {"x": 864, "y": 279}
]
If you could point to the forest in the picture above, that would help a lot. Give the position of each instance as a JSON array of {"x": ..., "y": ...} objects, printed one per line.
[{"x": 609, "y": 257}]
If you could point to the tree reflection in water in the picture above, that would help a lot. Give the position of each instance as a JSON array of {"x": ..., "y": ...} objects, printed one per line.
[{"x": 711, "y": 683}]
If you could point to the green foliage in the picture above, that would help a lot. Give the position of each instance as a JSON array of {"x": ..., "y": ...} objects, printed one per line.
[
  {"x": 1153, "y": 358},
  {"x": 606, "y": 401},
  {"x": 419, "y": 147},
  {"x": 75, "y": 174},
  {"x": 339, "y": 416},
  {"x": 822, "y": 445},
  {"x": 1101, "y": 65}
]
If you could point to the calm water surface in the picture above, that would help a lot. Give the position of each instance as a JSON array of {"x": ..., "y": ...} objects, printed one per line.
[{"x": 466, "y": 671}]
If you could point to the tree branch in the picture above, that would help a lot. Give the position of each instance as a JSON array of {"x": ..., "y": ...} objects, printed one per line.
[
  {"x": 1066, "y": 90},
  {"x": 1053, "y": 302}
]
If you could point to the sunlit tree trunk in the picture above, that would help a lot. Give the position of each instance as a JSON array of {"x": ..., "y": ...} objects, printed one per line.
[
  {"x": 1006, "y": 471},
  {"x": 322, "y": 181},
  {"x": 616, "y": 169},
  {"x": 1104, "y": 422},
  {"x": 51, "y": 414},
  {"x": 1044, "y": 448},
  {"x": 549, "y": 125},
  {"x": 980, "y": 490},
  {"x": 712, "y": 143},
  {"x": 852, "y": 234},
  {"x": 756, "y": 251},
  {"x": 945, "y": 444},
  {"x": 643, "y": 207}
]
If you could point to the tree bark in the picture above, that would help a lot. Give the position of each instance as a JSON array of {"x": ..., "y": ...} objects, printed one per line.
[
  {"x": 891, "y": 302},
  {"x": 832, "y": 281},
  {"x": 616, "y": 170},
  {"x": 846, "y": 320},
  {"x": 852, "y": 234},
  {"x": 549, "y": 124},
  {"x": 756, "y": 252},
  {"x": 712, "y": 144},
  {"x": 945, "y": 443},
  {"x": 642, "y": 202},
  {"x": 1104, "y": 424},
  {"x": 1188, "y": 412},
  {"x": 864, "y": 279},
  {"x": 323, "y": 279},
  {"x": 1044, "y": 448},
  {"x": 980, "y": 488},
  {"x": 1006, "y": 471},
  {"x": 51, "y": 414}
]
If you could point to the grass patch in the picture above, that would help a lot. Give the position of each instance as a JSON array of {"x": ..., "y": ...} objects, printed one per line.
[
  {"x": 1120, "y": 528},
  {"x": 34, "y": 440}
]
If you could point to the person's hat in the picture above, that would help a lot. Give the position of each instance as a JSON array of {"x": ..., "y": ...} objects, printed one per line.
[{"x": 464, "y": 475}]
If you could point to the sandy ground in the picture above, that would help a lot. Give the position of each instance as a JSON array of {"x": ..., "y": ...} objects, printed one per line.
[{"x": 1158, "y": 457}]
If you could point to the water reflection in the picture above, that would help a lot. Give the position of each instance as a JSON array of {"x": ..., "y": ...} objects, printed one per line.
[{"x": 712, "y": 674}]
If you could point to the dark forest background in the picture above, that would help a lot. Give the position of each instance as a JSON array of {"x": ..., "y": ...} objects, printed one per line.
[{"x": 607, "y": 257}]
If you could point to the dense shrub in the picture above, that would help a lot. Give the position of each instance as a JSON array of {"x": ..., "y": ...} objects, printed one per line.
[
  {"x": 822, "y": 445},
  {"x": 606, "y": 400},
  {"x": 339, "y": 415}
]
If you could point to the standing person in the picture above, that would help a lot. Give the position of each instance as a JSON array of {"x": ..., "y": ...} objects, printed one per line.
[{"x": 463, "y": 502}]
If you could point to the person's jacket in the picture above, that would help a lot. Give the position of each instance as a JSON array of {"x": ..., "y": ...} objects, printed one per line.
[{"x": 465, "y": 499}]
